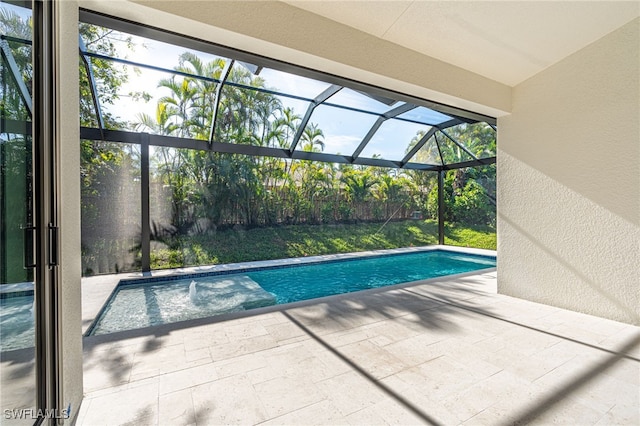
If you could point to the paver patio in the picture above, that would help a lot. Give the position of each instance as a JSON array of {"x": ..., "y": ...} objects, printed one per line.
[{"x": 441, "y": 352}]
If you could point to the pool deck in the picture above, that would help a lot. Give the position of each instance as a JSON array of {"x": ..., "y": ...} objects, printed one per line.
[{"x": 442, "y": 351}]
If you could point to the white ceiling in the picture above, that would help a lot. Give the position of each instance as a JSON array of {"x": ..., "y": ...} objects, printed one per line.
[{"x": 507, "y": 41}]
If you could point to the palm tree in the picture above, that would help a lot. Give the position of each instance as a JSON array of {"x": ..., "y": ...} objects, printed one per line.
[
  {"x": 201, "y": 110},
  {"x": 179, "y": 103},
  {"x": 358, "y": 186},
  {"x": 394, "y": 191},
  {"x": 236, "y": 108},
  {"x": 160, "y": 124},
  {"x": 288, "y": 122},
  {"x": 312, "y": 138},
  {"x": 266, "y": 112}
]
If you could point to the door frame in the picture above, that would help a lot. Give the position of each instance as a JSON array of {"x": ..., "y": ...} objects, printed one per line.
[{"x": 45, "y": 94}]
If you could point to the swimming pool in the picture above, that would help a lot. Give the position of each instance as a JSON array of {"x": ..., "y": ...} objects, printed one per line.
[{"x": 143, "y": 303}]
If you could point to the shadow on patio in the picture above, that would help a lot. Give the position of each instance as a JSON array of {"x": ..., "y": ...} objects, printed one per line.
[{"x": 447, "y": 352}]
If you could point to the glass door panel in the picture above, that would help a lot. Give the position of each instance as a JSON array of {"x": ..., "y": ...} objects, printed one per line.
[{"x": 17, "y": 313}]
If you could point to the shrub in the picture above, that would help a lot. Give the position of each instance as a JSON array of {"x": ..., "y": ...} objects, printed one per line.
[{"x": 471, "y": 206}]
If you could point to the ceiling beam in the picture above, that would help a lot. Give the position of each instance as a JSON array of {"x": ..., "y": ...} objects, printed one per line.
[
  {"x": 435, "y": 137},
  {"x": 372, "y": 131},
  {"x": 470, "y": 163},
  {"x": 92, "y": 83},
  {"x": 88, "y": 133},
  {"x": 216, "y": 105},
  {"x": 326, "y": 94},
  {"x": 464, "y": 148},
  {"x": 418, "y": 146}
]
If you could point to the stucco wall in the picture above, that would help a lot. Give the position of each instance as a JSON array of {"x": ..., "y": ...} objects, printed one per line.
[
  {"x": 69, "y": 135},
  {"x": 569, "y": 182}
]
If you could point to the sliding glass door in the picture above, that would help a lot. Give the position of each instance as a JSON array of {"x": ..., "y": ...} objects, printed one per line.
[
  {"x": 29, "y": 333},
  {"x": 17, "y": 308}
]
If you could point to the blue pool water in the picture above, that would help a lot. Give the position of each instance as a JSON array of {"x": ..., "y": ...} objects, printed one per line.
[
  {"x": 166, "y": 301},
  {"x": 16, "y": 323},
  {"x": 329, "y": 278}
]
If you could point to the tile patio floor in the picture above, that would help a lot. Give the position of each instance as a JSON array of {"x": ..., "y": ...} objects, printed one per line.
[{"x": 447, "y": 352}]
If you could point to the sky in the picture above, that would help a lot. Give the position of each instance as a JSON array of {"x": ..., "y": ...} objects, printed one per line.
[{"x": 343, "y": 129}]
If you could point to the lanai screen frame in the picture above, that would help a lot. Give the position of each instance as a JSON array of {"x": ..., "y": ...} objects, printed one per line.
[{"x": 145, "y": 140}]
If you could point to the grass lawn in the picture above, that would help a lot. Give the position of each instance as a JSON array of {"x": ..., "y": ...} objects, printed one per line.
[
  {"x": 477, "y": 237},
  {"x": 279, "y": 242}
]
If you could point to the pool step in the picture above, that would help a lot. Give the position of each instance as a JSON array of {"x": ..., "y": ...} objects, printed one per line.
[{"x": 229, "y": 293}]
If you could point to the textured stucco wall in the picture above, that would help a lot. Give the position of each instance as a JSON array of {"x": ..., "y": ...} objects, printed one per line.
[
  {"x": 569, "y": 182},
  {"x": 70, "y": 269}
]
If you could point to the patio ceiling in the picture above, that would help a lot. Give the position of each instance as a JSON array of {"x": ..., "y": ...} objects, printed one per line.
[{"x": 505, "y": 41}]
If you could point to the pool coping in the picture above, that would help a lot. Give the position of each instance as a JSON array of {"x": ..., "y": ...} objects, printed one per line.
[
  {"x": 89, "y": 318},
  {"x": 142, "y": 276},
  {"x": 235, "y": 268}
]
